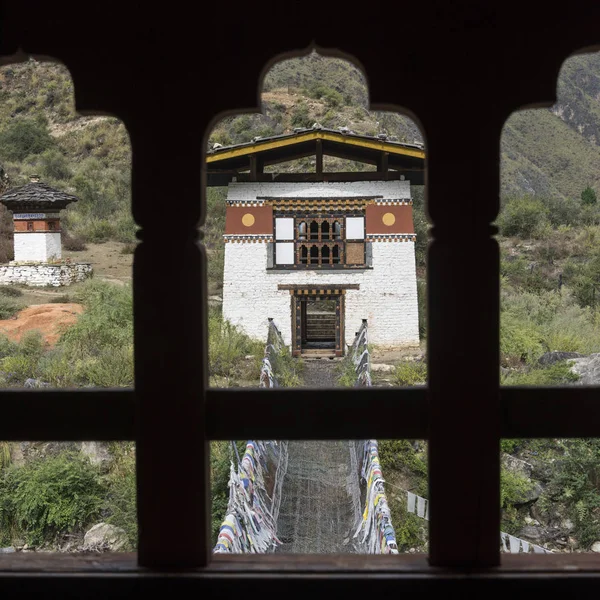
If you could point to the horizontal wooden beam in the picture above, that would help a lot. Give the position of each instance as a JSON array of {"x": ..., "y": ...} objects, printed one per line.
[
  {"x": 67, "y": 415},
  {"x": 283, "y": 413},
  {"x": 550, "y": 412},
  {"x": 317, "y": 414}
]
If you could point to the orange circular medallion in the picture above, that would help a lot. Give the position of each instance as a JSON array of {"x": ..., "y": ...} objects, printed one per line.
[
  {"x": 388, "y": 219},
  {"x": 248, "y": 220}
]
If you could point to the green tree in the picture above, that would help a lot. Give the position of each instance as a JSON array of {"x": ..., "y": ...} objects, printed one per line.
[
  {"x": 523, "y": 217},
  {"x": 24, "y": 137},
  {"x": 588, "y": 196}
]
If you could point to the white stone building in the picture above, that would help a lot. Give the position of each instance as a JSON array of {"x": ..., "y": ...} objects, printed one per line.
[{"x": 319, "y": 257}]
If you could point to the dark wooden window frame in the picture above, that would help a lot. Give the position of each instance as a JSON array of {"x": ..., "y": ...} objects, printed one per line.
[
  {"x": 319, "y": 242},
  {"x": 483, "y": 80}
]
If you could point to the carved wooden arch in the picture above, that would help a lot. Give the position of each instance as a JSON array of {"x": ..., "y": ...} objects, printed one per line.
[{"x": 455, "y": 52}]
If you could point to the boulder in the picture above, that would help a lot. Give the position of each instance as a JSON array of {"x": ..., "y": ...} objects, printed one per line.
[
  {"x": 104, "y": 537},
  {"x": 35, "y": 383},
  {"x": 97, "y": 452},
  {"x": 524, "y": 469},
  {"x": 595, "y": 547},
  {"x": 588, "y": 369},
  {"x": 549, "y": 358},
  {"x": 382, "y": 368},
  {"x": 516, "y": 465}
]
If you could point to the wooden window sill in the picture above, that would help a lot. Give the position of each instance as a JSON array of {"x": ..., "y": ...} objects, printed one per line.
[{"x": 399, "y": 566}]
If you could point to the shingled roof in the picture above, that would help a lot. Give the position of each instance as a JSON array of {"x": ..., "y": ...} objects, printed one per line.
[{"x": 36, "y": 196}]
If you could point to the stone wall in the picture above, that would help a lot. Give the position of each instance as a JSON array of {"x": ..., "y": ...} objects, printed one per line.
[{"x": 42, "y": 275}]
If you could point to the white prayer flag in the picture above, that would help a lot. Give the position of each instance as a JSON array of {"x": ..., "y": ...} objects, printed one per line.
[
  {"x": 427, "y": 511},
  {"x": 420, "y": 506},
  {"x": 515, "y": 544},
  {"x": 410, "y": 507},
  {"x": 503, "y": 537},
  {"x": 539, "y": 549},
  {"x": 525, "y": 545}
]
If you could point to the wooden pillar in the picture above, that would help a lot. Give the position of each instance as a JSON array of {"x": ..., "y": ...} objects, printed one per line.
[
  {"x": 172, "y": 496},
  {"x": 383, "y": 164},
  {"x": 319, "y": 157},
  {"x": 463, "y": 328}
]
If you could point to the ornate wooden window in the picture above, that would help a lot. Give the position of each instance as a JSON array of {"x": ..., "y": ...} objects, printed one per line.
[{"x": 320, "y": 241}]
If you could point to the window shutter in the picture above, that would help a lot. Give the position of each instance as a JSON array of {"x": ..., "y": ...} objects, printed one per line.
[
  {"x": 355, "y": 228},
  {"x": 284, "y": 228},
  {"x": 285, "y": 253},
  {"x": 270, "y": 255},
  {"x": 369, "y": 254}
]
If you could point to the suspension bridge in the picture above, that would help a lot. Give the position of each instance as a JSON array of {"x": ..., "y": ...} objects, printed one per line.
[{"x": 309, "y": 496}]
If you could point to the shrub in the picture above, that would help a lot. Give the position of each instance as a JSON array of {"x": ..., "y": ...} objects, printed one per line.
[
  {"x": 520, "y": 340},
  {"x": 557, "y": 374},
  {"x": 98, "y": 230},
  {"x": 227, "y": 347},
  {"x": 575, "y": 481},
  {"x": 300, "y": 116},
  {"x": 523, "y": 217},
  {"x": 73, "y": 243},
  {"x": 121, "y": 499},
  {"x": 48, "y": 497},
  {"x": 10, "y": 291},
  {"x": 346, "y": 373},
  {"x": 588, "y": 196},
  {"x": 55, "y": 165},
  {"x": 22, "y": 137},
  {"x": 563, "y": 211},
  {"x": 410, "y": 373},
  {"x": 320, "y": 91},
  {"x": 62, "y": 299},
  {"x": 23, "y": 363},
  {"x": 514, "y": 488},
  {"x": 8, "y": 307},
  {"x": 221, "y": 455},
  {"x": 7, "y": 347},
  {"x": 106, "y": 323}
]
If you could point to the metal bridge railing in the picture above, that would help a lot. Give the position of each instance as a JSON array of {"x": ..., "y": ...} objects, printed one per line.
[
  {"x": 251, "y": 521},
  {"x": 376, "y": 527},
  {"x": 359, "y": 355},
  {"x": 273, "y": 348},
  {"x": 255, "y": 488}
]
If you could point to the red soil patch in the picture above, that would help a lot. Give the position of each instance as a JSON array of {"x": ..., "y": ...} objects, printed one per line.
[{"x": 49, "y": 319}]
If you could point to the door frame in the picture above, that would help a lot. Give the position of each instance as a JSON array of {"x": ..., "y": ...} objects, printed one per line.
[{"x": 298, "y": 314}]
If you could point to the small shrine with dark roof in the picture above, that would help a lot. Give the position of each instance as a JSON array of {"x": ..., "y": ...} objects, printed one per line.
[
  {"x": 36, "y": 214},
  {"x": 37, "y": 237}
]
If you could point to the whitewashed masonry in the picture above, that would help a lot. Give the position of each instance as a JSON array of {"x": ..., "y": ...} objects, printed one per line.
[{"x": 387, "y": 289}]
